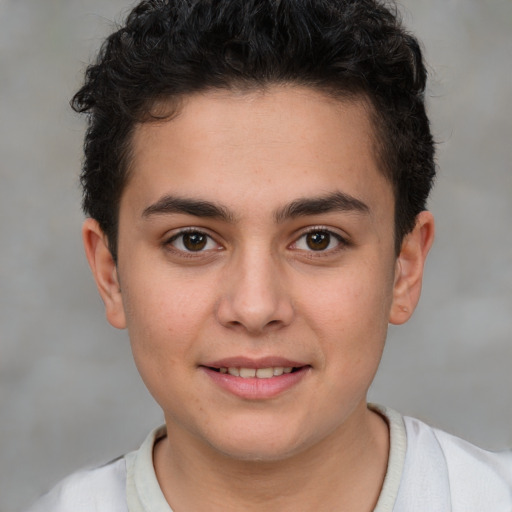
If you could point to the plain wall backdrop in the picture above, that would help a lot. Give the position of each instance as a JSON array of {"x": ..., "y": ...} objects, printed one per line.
[{"x": 69, "y": 393}]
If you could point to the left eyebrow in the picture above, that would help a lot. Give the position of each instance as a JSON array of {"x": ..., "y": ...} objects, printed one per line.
[{"x": 335, "y": 202}]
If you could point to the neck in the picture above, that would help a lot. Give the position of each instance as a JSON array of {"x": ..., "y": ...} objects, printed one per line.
[{"x": 343, "y": 471}]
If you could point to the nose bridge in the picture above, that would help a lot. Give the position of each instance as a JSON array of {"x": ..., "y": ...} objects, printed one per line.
[{"x": 255, "y": 295}]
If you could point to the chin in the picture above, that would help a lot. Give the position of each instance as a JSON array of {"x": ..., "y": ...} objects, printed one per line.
[
  {"x": 261, "y": 454},
  {"x": 259, "y": 445}
]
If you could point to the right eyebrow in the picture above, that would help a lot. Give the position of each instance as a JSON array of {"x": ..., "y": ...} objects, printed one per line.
[{"x": 169, "y": 204}]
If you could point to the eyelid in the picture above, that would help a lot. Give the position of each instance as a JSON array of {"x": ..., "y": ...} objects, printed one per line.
[
  {"x": 343, "y": 240},
  {"x": 168, "y": 241}
]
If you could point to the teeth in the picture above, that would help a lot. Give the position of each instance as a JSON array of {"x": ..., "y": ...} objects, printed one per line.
[
  {"x": 264, "y": 373},
  {"x": 247, "y": 372},
  {"x": 260, "y": 373}
]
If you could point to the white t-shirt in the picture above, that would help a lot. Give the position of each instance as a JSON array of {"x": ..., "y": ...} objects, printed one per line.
[{"x": 428, "y": 471}]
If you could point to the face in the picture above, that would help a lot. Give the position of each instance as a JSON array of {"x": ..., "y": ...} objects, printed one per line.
[{"x": 256, "y": 268}]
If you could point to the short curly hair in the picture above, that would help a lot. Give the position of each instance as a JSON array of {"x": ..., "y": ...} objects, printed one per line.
[{"x": 168, "y": 49}]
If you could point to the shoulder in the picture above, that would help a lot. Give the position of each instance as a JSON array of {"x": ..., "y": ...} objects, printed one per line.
[
  {"x": 471, "y": 478},
  {"x": 101, "y": 489}
]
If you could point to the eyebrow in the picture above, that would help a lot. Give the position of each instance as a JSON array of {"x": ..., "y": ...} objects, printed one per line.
[
  {"x": 198, "y": 208},
  {"x": 335, "y": 202}
]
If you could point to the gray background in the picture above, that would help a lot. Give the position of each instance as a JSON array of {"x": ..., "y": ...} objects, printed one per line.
[{"x": 69, "y": 393}]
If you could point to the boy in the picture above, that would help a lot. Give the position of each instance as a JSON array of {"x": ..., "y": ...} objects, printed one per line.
[{"x": 255, "y": 179}]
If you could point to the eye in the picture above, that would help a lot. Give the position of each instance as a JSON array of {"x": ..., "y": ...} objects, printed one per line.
[
  {"x": 318, "y": 240},
  {"x": 192, "y": 241}
]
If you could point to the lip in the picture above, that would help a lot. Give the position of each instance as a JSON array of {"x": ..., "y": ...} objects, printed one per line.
[{"x": 254, "y": 388}]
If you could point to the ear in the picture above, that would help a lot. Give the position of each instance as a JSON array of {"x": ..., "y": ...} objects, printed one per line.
[
  {"x": 104, "y": 270},
  {"x": 409, "y": 268}
]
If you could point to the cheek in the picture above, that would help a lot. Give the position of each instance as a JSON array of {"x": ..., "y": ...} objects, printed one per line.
[
  {"x": 163, "y": 318},
  {"x": 352, "y": 300},
  {"x": 351, "y": 316},
  {"x": 162, "y": 329}
]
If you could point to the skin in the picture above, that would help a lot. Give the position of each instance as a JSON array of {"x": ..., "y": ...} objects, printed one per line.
[{"x": 260, "y": 287}]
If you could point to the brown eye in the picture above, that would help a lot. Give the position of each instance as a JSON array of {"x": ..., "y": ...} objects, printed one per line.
[
  {"x": 318, "y": 240},
  {"x": 193, "y": 241}
]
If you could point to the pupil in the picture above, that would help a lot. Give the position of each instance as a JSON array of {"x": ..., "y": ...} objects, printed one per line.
[
  {"x": 318, "y": 241},
  {"x": 194, "y": 241}
]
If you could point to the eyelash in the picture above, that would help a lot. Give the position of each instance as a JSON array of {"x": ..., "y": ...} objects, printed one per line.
[
  {"x": 341, "y": 242},
  {"x": 191, "y": 232}
]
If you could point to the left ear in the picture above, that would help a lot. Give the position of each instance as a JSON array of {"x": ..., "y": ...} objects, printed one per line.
[{"x": 409, "y": 268}]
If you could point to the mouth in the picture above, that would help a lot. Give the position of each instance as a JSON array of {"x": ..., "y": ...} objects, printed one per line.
[
  {"x": 252, "y": 379},
  {"x": 258, "y": 373}
]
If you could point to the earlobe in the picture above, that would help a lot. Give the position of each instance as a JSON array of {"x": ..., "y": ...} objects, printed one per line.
[
  {"x": 409, "y": 268},
  {"x": 104, "y": 270}
]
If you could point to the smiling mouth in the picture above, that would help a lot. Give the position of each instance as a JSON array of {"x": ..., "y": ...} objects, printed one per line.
[
  {"x": 256, "y": 379},
  {"x": 258, "y": 373}
]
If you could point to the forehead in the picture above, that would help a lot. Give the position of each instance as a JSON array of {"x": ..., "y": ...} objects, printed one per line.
[
  {"x": 282, "y": 110},
  {"x": 223, "y": 144}
]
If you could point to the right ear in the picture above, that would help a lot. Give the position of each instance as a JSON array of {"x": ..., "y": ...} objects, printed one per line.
[{"x": 104, "y": 270}]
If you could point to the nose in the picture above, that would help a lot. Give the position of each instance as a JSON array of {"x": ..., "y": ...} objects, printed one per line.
[{"x": 254, "y": 294}]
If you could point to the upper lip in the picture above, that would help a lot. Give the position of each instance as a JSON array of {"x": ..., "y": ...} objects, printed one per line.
[{"x": 248, "y": 362}]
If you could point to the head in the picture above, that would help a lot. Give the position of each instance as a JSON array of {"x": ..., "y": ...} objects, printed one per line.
[
  {"x": 171, "y": 49},
  {"x": 256, "y": 172}
]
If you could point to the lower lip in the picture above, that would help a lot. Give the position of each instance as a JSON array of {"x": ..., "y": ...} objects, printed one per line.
[{"x": 256, "y": 389}]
